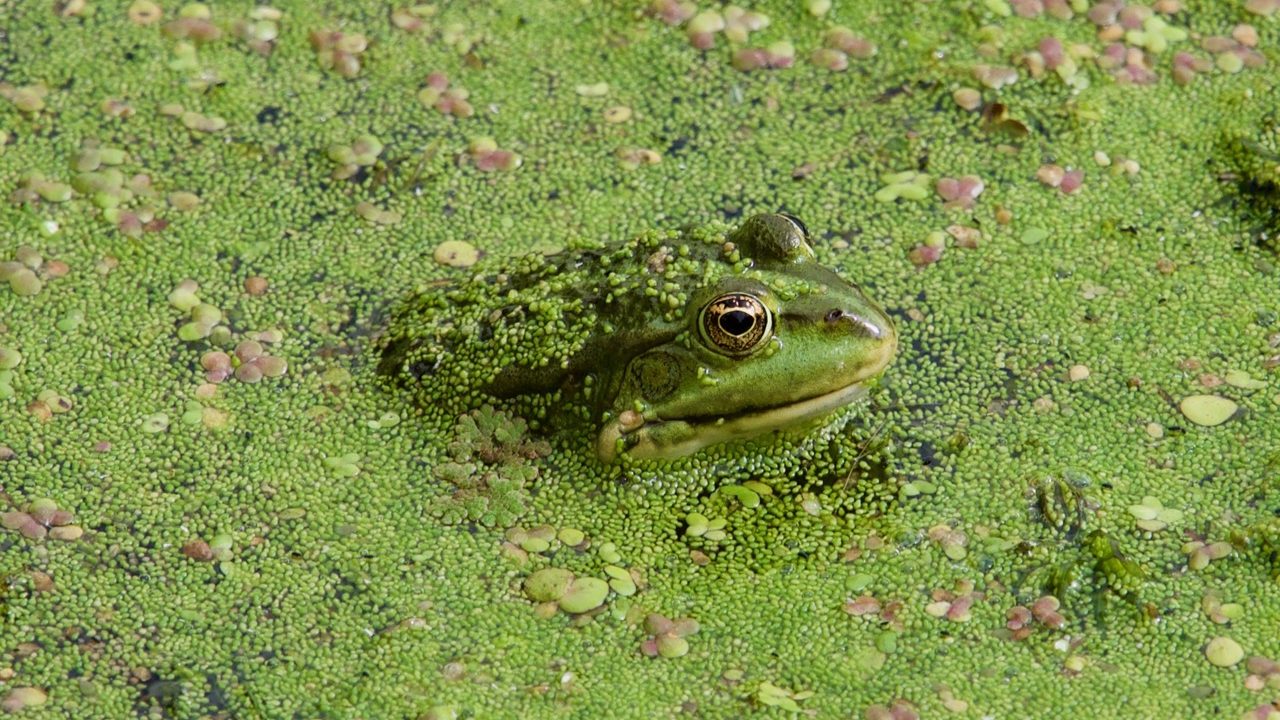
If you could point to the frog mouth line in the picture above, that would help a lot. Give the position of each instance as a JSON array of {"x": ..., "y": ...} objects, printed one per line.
[{"x": 698, "y": 433}]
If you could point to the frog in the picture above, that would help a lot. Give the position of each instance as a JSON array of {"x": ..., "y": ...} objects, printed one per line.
[{"x": 673, "y": 341}]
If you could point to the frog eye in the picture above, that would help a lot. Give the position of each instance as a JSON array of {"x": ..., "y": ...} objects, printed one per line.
[{"x": 736, "y": 323}]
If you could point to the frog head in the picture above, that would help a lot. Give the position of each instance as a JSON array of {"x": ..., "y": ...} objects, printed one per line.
[{"x": 779, "y": 340}]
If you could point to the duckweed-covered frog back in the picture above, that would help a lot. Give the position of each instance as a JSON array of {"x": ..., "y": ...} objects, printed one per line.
[{"x": 525, "y": 324}]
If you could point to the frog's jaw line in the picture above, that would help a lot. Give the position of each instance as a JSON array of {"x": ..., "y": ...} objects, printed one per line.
[
  {"x": 607, "y": 442},
  {"x": 643, "y": 443}
]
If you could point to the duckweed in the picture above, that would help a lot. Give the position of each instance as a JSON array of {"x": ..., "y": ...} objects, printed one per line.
[
  {"x": 1223, "y": 652},
  {"x": 548, "y": 584},
  {"x": 22, "y": 697},
  {"x": 770, "y": 695},
  {"x": 583, "y": 595},
  {"x": 667, "y": 638},
  {"x": 1220, "y": 612},
  {"x": 199, "y": 149},
  {"x": 617, "y": 114},
  {"x": 571, "y": 536},
  {"x": 1200, "y": 554},
  {"x": 1208, "y": 410},
  {"x": 344, "y": 466},
  {"x": 620, "y": 580},
  {"x": 1242, "y": 379},
  {"x": 747, "y": 497},
  {"x": 42, "y": 518},
  {"x": 608, "y": 552},
  {"x": 1151, "y": 515},
  {"x": 338, "y": 51},
  {"x": 488, "y": 157},
  {"x": 157, "y": 423},
  {"x": 22, "y": 281}
]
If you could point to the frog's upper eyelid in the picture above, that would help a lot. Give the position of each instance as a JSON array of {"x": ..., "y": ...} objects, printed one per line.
[
  {"x": 804, "y": 231},
  {"x": 860, "y": 324}
]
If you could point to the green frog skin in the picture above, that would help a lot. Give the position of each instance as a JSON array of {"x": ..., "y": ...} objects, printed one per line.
[{"x": 675, "y": 340}]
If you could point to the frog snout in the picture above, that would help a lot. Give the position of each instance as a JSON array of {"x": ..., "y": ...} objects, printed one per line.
[{"x": 855, "y": 323}]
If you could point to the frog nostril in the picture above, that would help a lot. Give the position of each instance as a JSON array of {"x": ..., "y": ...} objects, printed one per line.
[{"x": 860, "y": 325}]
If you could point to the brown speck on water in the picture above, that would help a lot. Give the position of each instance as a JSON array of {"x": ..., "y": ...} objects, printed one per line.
[
  {"x": 748, "y": 59},
  {"x": 1045, "y": 611},
  {"x": 959, "y": 193},
  {"x": 1050, "y": 175},
  {"x": 702, "y": 29},
  {"x": 1052, "y": 52},
  {"x": 116, "y": 108},
  {"x": 446, "y": 99},
  {"x": 995, "y": 76},
  {"x": 41, "y": 581},
  {"x": 1245, "y": 34},
  {"x": 56, "y": 269},
  {"x": 849, "y": 42},
  {"x": 777, "y": 55},
  {"x": 617, "y": 114},
  {"x": 862, "y": 605},
  {"x": 672, "y": 12},
  {"x": 1027, "y": 8},
  {"x": 830, "y": 58},
  {"x": 412, "y": 19},
  {"x": 967, "y": 98},
  {"x": 803, "y": 171},
  {"x": 636, "y": 157},
  {"x": 1187, "y": 67},
  {"x": 40, "y": 411},
  {"x": 70, "y": 8},
  {"x": 198, "y": 550},
  {"x": 255, "y": 285},
  {"x": 339, "y": 51},
  {"x": 923, "y": 255},
  {"x": 1265, "y": 8},
  {"x": 899, "y": 709},
  {"x": 198, "y": 29},
  {"x": 1072, "y": 180},
  {"x": 217, "y": 365},
  {"x": 144, "y": 12},
  {"x": 965, "y": 237}
]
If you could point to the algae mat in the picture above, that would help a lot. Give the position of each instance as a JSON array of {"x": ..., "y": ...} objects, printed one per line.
[{"x": 1061, "y": 499}]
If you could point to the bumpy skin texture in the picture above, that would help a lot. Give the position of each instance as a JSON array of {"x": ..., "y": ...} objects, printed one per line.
[{"x": 647, "y": 326}]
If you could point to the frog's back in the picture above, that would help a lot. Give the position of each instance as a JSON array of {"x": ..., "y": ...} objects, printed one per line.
[{"x": 530, "y": 322}]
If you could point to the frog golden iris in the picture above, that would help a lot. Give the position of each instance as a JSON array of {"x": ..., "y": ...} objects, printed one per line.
[{"x": 736, "y": 323}]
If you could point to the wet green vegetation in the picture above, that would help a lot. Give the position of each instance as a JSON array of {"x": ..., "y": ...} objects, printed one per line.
[{"x": 1062, "y": 496}]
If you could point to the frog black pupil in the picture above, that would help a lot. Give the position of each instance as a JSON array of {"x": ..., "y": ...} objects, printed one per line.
[{"x": 737, "y": 322}]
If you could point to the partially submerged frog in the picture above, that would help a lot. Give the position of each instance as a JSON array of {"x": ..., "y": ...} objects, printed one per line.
[{"x": 678, "y": 340}]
